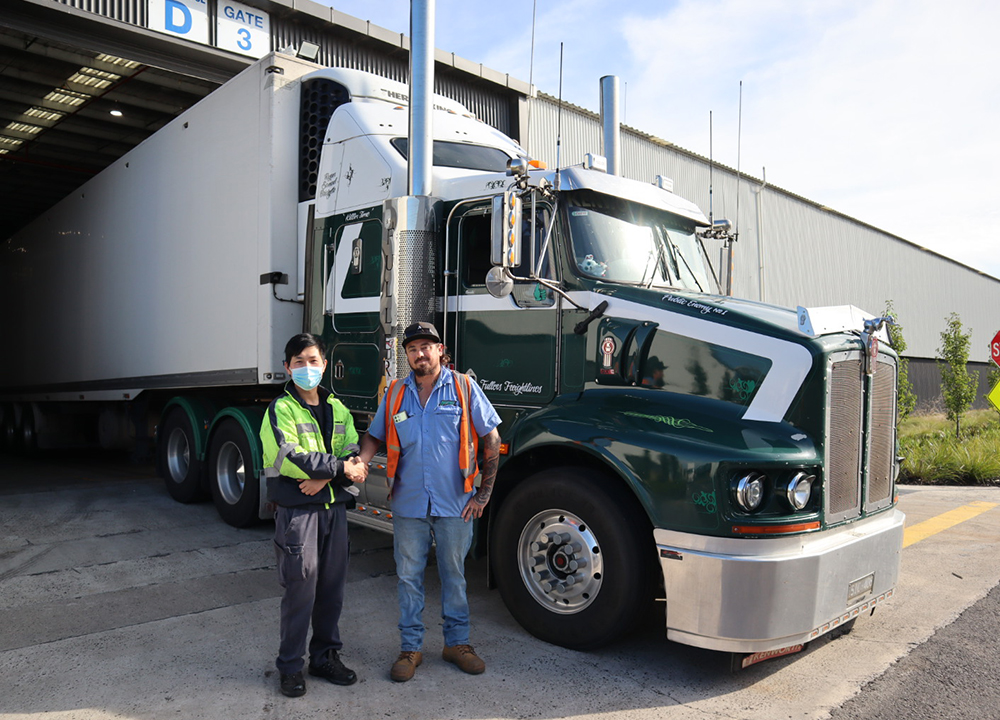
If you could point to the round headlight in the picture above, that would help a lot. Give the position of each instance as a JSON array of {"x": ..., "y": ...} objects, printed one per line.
[
  {"x": 799, "y": 490},
  {"x": 749, "y": 491}
]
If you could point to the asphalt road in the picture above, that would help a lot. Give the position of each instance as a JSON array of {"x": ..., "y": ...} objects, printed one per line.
[{"x": 118, "y": 602}]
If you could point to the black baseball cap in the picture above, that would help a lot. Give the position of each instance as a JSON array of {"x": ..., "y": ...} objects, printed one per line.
[{"x": 420, "y": 331}]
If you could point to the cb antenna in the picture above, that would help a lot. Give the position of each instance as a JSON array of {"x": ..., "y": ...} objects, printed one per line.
[
  {"x": 720, "y": 231},
  {"x": 739, "y": 141},
  {"x": 531, "y": 73},
  {"x": 711, "y": 172},
  {"x": 559, "y": 118}
]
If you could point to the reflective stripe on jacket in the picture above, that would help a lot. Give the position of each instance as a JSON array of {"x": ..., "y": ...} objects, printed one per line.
[
  {"x": 468, "y": 440},
  {"x": 294, "y": 448}
]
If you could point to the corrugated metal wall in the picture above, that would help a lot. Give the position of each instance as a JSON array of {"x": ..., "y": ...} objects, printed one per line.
[
  {"x": 130, "y": 11},
  {"x": 809, "y": 255}
]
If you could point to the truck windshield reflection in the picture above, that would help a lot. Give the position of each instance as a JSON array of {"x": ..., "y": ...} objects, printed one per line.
[{"x": 625, "y": 242}]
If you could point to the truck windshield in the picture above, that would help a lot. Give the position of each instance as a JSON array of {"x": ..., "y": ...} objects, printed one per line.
[{"x": 624, "y": 242}]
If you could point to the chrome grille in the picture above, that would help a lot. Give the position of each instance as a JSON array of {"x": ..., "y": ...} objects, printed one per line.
[
  {"x": 881, "y": 436},
  {"x": 861, "y": 441},
  {"x": 843, "y": 466}
]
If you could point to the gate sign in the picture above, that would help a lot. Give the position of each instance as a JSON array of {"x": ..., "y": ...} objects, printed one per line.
[
  {"x": 243, "y": 29},
  {"x": 239, "y": 28}
]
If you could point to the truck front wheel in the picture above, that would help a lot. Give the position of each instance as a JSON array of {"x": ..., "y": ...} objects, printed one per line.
[
  {"x": 571, "y": 555},
  {"x": 179, "y": 463},
  {"x": 231, "y": 476}
]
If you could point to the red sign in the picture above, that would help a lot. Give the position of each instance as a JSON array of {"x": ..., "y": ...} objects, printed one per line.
[{"x": 995, "y": 349}]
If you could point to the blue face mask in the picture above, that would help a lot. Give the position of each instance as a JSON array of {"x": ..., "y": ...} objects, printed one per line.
[{"x": 307, "y": 377}]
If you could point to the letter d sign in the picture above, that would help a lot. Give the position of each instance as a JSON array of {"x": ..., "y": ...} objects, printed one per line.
[
  {"x": 178, "y": 17},
  {"x": 184, "y": 18}
]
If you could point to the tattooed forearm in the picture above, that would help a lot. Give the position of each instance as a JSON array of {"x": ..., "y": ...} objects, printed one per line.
[{"x": 488, "y": 470}]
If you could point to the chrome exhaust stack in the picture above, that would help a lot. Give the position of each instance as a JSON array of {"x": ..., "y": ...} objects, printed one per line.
[
  {"x": 420, "y": 157},
  {"x": 610, "y": 123}
]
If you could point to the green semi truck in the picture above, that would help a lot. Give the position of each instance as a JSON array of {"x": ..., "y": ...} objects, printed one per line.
[{"x": 662, "y": 442}]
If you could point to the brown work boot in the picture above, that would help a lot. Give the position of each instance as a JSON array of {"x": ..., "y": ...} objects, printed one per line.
[
  {"x": 465, "y": 658},
  {"x": 405, "y": 665}
]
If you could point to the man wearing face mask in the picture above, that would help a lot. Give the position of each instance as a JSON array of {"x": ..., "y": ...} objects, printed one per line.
[{"x": 310, "y": 460}]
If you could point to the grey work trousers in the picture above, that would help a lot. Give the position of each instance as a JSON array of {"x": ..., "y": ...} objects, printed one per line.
[{"x": 312, "y": 548}]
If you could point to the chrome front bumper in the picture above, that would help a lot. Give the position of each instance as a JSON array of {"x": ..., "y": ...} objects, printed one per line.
[{"x": 751, "y": 595}]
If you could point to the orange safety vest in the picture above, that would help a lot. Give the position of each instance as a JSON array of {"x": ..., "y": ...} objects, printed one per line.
[{"x": 468, "y": 440}]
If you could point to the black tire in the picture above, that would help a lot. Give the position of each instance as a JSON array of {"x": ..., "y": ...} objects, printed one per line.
[
  {"x": 231, "y": 478},
  {"x": 179, "y": 466},
  {"x": 577, "y": 515}
]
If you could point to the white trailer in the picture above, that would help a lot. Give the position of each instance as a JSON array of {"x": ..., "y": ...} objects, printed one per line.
[{"x": 149, "y": 275}]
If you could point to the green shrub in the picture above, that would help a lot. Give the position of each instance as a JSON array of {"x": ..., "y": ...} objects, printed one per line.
[
  {"x": 958, "y": 385},
  {"x": 932, "y": 455}
]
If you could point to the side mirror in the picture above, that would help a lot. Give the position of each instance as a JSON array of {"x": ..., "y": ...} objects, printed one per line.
[
  {"x": 499, "y": 283},
  {"x": 505, "y": 235}
]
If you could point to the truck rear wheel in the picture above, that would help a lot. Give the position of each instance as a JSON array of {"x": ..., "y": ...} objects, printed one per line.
[
  {"x": 231, "y": 477},
  {"x": 179, "y": 464},
  {"x": 572, "y": 558}
]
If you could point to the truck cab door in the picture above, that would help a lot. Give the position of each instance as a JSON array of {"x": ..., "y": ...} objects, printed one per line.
[
  {"x": 352, "y": 270},
  {"x": 508, "y": 344}
]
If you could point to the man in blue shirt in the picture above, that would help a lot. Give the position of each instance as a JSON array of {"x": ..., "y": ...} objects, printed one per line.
[{"x": 423, "y": 420}]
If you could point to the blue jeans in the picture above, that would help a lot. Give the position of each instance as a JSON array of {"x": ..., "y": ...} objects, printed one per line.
[{"x": 412, "y": 539}]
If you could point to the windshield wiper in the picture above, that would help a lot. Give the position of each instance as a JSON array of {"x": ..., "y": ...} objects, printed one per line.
[
  {"x": 676, "y": 252},
  {"x": 649, "y": 262}
]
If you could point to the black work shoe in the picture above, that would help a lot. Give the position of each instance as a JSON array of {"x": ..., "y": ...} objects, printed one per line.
[
  {"x": 333, "y": 670},
  {"x": 293, "y": 685}
]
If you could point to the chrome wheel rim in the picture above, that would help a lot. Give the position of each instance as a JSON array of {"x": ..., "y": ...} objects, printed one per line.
[
  {"x": 560, "y": 561},
  {"x": 230, "y": 473},
  {"x": 178, "y": 455}
]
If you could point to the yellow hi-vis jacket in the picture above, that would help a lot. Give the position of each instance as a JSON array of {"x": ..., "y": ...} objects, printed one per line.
[{"x": 295, "y": 449}]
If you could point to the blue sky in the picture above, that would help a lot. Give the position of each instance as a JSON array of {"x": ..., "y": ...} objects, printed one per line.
[{"x": 886, "y": 110}]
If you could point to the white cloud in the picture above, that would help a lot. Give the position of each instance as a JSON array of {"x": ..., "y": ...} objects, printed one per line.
[{"x": 883, "y": 111}]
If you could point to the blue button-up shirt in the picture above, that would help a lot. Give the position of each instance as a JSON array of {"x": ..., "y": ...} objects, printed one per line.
[{"x": 428, "y": 479}]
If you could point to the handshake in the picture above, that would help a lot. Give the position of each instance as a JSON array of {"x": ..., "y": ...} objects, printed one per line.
[{"x": 355, "y": 469}]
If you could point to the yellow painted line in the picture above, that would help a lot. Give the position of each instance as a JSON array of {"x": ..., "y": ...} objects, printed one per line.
[{"x": 925, "y": 529}]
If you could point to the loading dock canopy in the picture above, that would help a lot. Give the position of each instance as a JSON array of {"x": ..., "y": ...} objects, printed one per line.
[{"x": 78, "y": 91}]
